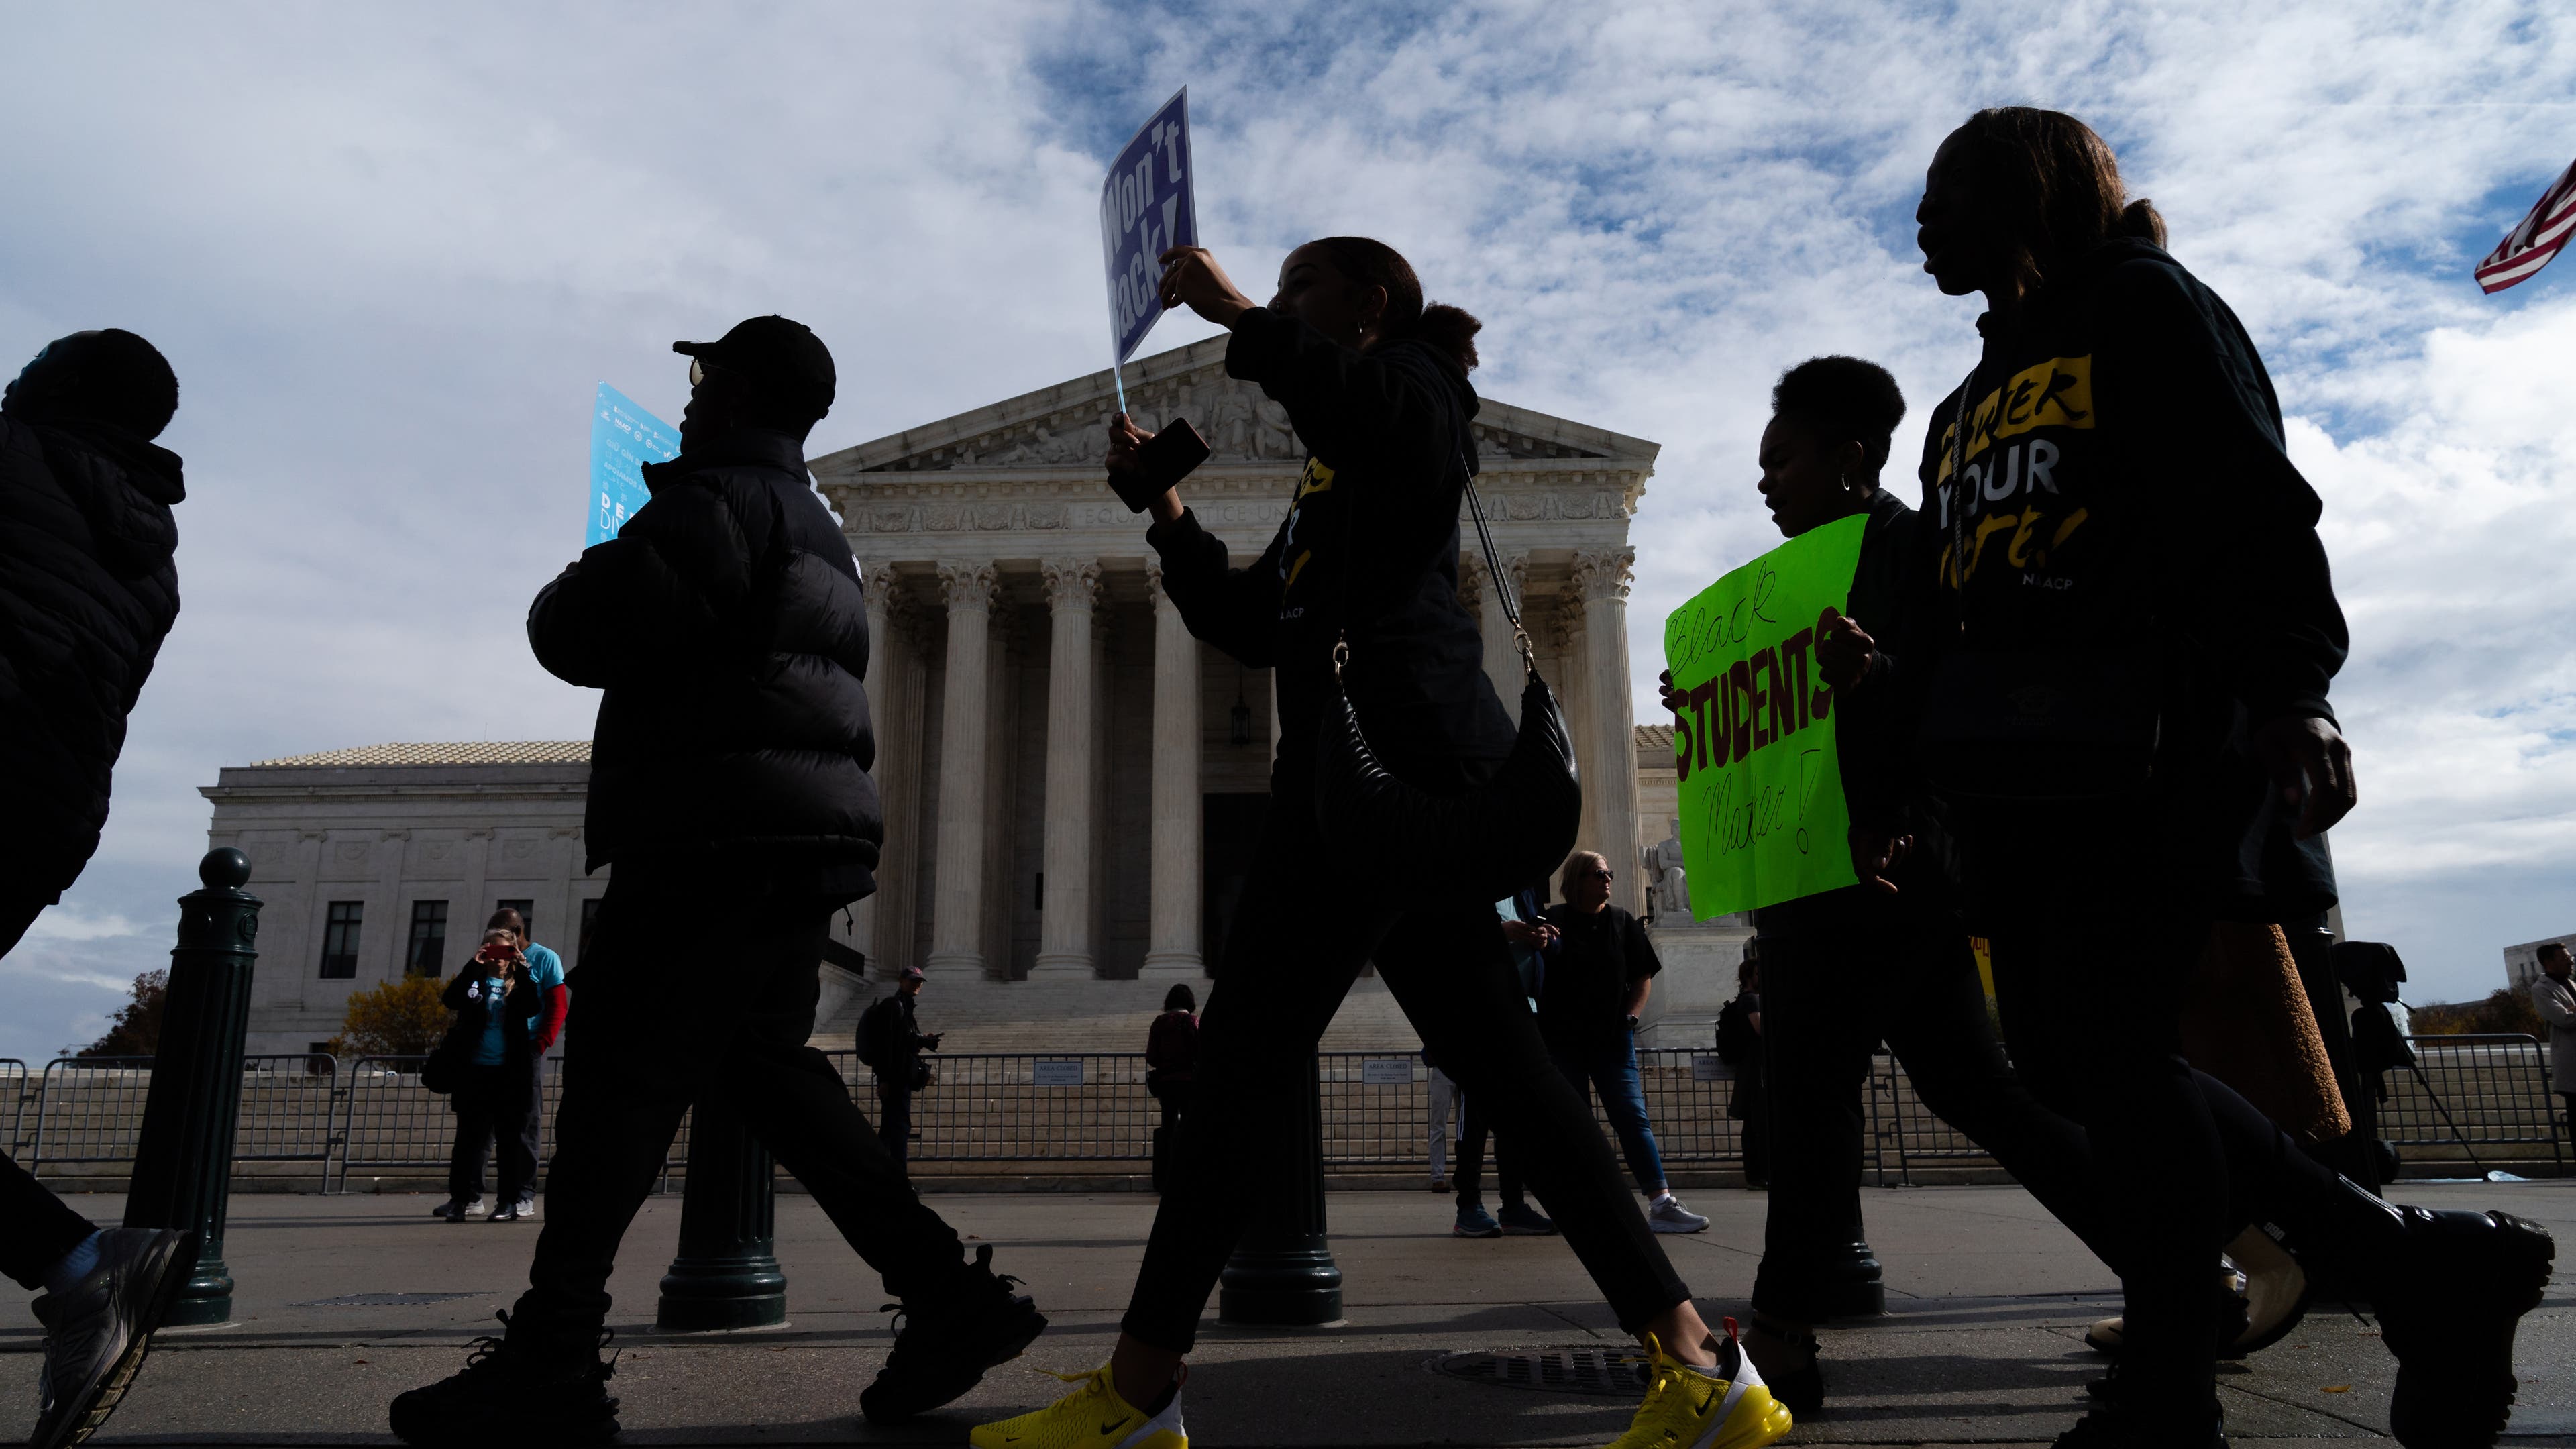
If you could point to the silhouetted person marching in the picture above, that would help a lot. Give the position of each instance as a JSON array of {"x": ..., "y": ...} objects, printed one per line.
[
  {"x": 88, "y": 590},
  {"x": 729, "y": 786}
]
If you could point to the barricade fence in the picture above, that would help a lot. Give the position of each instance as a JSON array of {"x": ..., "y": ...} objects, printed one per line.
[{"x": 2475, "y": 1097}]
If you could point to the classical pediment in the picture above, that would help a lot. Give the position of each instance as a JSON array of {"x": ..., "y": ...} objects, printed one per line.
[{"x": 1067, "y": 426}]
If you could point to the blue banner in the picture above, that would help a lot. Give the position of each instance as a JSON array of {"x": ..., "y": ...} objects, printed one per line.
[
  {"x": 623, "y": 438},
  {"x": 1146, "y": 208}
]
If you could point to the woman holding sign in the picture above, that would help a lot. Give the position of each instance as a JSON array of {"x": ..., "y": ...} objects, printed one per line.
[
  {"x": 2128, "y": 715},
  {"x": 1375, "y": 384}
]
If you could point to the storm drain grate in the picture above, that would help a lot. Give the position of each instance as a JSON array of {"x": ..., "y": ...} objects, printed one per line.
[
  {"x": 385, "y": 1300},
  {"x": 1608, "y": 1372}
]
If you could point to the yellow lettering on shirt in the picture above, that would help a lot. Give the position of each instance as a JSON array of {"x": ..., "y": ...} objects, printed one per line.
[
  {"x": 1316, "y": 479},
  {"x": 2057, "y": 393}
]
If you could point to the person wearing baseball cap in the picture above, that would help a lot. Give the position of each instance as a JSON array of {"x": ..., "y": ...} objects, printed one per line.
[
  {"x": 895, "y": 1042},
  {"x": 729, "y": 787}
]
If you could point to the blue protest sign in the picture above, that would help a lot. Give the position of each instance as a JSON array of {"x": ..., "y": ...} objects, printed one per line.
[
  {"x": 623, "y": 438},
  {"x": 1146, "y": 208}
]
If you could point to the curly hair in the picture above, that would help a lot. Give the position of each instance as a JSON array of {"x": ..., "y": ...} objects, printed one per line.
[{"x": 1842, "y": 399}]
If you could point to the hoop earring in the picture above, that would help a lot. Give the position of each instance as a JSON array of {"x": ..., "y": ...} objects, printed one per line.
[{"x": 1845, "y": 480}]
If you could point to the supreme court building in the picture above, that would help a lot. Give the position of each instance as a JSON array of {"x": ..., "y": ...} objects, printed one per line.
[{"x": 1072, "y": 784}]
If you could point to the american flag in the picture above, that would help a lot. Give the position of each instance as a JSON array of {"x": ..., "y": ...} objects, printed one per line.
[{"x": 2529, "y": 246}]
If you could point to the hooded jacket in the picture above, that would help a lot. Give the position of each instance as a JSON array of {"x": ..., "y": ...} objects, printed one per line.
[
  {"x": 88, "y": 590},
  {"x": 2126, "y": 490},
  {"x": 1369, "y": 548},
  {"x": 728, "y": 627}
]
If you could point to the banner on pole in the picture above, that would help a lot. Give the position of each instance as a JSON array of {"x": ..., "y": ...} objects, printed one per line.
[
  {"x": 1146, "y": 208},
  {"x": 623, "y": 438},
  {"x": 1762, "y": 808}
]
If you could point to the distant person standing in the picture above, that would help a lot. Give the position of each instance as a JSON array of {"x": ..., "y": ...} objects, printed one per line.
[
  {"x": 1597, "y": 983},
  {"x": 1171, "y": 1064},
  {"x": 88, "y": 590},
  {"x": 730, "y": 789},
  {"x": 1445, "y": 1116},
  {"x": 895, "y": 1044},
  {"x": 1741, "y": 1047},
  {"x": 2553, "y": 995},
  {"x": 497, "y": 1006},
  {"x": 1529, "y": 936}
]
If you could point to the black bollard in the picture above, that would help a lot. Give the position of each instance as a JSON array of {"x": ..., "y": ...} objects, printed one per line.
[
  {"x": 1283, "y": 1272},
  {"x": 183, "y": 1159},
  {"x": 726, "y": 1274}
]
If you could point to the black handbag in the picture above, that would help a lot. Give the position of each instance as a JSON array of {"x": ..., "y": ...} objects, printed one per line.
[
  {"x": 1485, "y": 843},
  {"x": 445, "y": 1063},
  {"x": 2034, "y": 724}
]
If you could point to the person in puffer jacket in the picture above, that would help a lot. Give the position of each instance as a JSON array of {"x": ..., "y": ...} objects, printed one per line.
[
  {"x": 729, "y": 787},
  {"x": 88, "y": 590}
]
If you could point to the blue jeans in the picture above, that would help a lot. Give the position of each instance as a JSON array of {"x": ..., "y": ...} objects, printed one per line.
[{"x": 1611, "y": 1067}]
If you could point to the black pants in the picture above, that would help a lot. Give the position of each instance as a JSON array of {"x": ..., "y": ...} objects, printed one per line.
[
  {"x": 1472, "y": 1132},
  {"x": 894, "y": 1119},
  {"x": 2090, "y": 955},
  {"x": 699, "y": 988},
  {"x": 1840, "y": 975},
  {"x": 496, "y": 1104},
  {"x": 36, "y": 1227},
  {"x": 1749, "y": 1102},
  {"x": 1297, "y": 942},
  {"x": 1172, "y": 1096}
]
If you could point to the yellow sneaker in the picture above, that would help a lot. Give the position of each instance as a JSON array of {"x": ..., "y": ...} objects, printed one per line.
[
  {"x": 1094, "y": 1417},
  {"x": 1726, "y": 1407}
]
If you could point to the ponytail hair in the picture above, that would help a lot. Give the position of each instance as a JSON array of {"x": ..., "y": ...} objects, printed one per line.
[
  {"x": 2056, "y": 184},
  {"x": 1368, "y": 262}
]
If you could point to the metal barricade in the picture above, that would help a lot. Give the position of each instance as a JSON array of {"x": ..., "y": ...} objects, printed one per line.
[
  {"x": 1022, "y": 1106},
  {"x": 2473, "y": 1093},
  {"x": 17, "y": 1089},
  {"x": 289, "y": 1110},
  {"x": 1376, "y": 1108},
  {"x": 1688, "y": 1091},
  {"x": 89, "y": 1110},
  {"x": 390, "y": 1122}
]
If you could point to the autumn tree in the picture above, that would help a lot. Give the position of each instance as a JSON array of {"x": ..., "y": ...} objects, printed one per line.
[
  {"x": 401, "y": 1018},
  {"x": 135, "y": 1030}
]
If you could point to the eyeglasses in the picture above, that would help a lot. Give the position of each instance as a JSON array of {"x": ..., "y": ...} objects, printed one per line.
[
  {"x": 698, "y": 370},
  {"x": 1597, "y": 875}
]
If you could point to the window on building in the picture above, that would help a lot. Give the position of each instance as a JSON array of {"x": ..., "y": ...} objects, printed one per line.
[
  {"x": 340, "y": 940},
  {"x": 428, "y": 953},
  {"x": 589, "y": 920},
  {"x": 527, "y": 910}
]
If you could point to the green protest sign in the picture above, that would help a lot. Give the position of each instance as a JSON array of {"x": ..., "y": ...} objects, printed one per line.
[{"x": 1763, "y": 816}]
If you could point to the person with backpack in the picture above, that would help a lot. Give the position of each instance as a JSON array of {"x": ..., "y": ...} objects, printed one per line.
[
  {"x": 1171, "y": 1064},
  {"x": 1358, "y": 589},
  {"x": 727, "y": 627},
  {"x": 891, "y": 1042}
]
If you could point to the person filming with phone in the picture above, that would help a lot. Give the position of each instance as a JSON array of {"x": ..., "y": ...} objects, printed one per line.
[{"x": 498, "y": 1006}]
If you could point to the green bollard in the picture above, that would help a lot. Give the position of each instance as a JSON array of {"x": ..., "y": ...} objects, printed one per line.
[
  {"x": 183, "y": 1160},
  {"x": 1282, "y": 1271},
  {"x": 726, "y": 1274}
]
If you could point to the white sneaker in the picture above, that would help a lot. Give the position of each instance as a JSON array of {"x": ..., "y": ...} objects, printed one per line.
[{"x": 1667, "y": 1215}]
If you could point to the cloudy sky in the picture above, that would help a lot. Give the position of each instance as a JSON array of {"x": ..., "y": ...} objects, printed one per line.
[{"x": 392, "y": 255}]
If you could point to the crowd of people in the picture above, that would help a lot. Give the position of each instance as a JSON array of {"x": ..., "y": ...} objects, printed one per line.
[{"x": 2060, "y": 548}]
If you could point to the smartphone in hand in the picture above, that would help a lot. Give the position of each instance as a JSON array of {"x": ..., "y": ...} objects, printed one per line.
[{"x": 1163, "y": 462}]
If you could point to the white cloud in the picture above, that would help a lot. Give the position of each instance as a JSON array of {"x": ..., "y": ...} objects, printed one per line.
[{"x": 391, "y": 256}]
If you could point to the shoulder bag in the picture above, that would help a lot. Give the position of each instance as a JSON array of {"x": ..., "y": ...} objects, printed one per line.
[
  {"x": 2032, "y": 724},
  {"x": 1485, "y": 843}
]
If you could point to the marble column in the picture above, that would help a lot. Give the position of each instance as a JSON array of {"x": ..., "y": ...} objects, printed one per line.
[
  {"x": 1172, "y": 950},
  {"x": 1502, "y": 656},
  {"x": 897, "y": 659},
  {"x": 1610, "y": 770},
  {"x": 957, "y": 908},
  {"x": 1065, "y": 945},
  {"x": 880, "y": 586}
]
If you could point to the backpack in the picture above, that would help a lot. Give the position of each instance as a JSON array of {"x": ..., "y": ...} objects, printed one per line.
[
  {"x": 1737, "y": 1041},
  {"x": 874, "y": 1027}
]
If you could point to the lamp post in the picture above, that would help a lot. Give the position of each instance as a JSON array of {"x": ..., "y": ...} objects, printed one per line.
[
  {"x": 183, "y": 1159},
  {"x": 1283, "y": 1272},
  {"x": 726, "y": 1274}
]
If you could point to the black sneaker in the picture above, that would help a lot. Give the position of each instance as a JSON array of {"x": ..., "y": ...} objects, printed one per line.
[
  {"x": 97, "y": 1333},
  {"x": 1800, "y": 1386},
  {"x": 943, "y": 1345},
  {"x": 513, "y": 1393},
  {"x": 2448, "y": 1308},
  {"x": 2122, "y": 1424}
]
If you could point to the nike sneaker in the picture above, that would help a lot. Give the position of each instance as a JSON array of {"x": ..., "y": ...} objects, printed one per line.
[
  {"x": 1724, "y": 1407},
  {"x": 1091, "y": 1417}
]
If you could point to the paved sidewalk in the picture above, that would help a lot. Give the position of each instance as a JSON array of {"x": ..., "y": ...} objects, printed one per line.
[{"x": 1990, "y": 1299}]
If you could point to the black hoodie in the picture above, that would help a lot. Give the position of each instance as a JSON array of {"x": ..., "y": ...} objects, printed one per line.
[
  {"x": 88, "y": 590},
  {"x": 1370, "y": 545},
  {"x": 2130, "y": 492}
]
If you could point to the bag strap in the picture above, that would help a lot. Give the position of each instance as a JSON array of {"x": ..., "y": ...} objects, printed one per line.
[{"x": 1494, "y": 567}]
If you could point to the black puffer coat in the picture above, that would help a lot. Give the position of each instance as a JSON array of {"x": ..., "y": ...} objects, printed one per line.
[
  {"x": 727, "y": 624},
  {"x": 88, "y": 590}
]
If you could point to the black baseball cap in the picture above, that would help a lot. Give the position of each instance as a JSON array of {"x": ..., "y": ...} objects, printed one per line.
[{"x": 783, "y": 359}]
